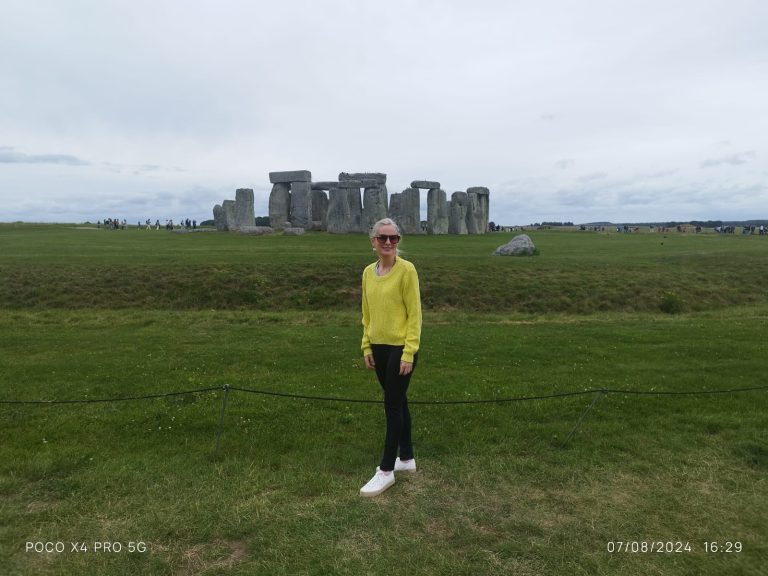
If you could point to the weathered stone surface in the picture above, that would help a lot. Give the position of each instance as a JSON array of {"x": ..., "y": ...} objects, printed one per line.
[
  {"x": 426, "y": 184},
  {"x": 473, "y": 214},
  {"x": 293, "y": 231},
  {"x": 520, "y": 245},
  {"x": 324, "y": 185},
  {"x": 377, "y": 177},
  {"x": 338, "y": 211},
  {"x": 374, "y": 206},
  {"x": 279, "y": 205},
  {"x": 319, "y": 210},
  {"x": 256, "y": 230},
  {"x": 483, "y": 200},
  {"x": 459, "y": 198},
  {"x": 228, "y": 207},
  {"x": 395, "y": 207},
  {"x": 301, "y": 204},
  {"x": 457, "y": 217},
  {"x": 410, "y": 221},
  {"x": 350, "y": 184},
  {"x": 355, "y": 210},
  {"x": 288, "y": 177},
  {"x": 244, "y": 215},
  {"x": 218, "y": 218},
  {"x": 437, "y": 212}
]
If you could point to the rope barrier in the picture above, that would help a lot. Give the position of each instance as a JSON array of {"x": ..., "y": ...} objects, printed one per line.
[
  {"x": 599, "y": 394},
  {"x": 371, "y": 401},
  {"x": 119, "y": 399}
]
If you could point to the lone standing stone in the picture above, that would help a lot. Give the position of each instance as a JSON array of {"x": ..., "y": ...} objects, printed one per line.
[
  {"x": 244, "y": 208},
  {"x": 520, "y": 245}
]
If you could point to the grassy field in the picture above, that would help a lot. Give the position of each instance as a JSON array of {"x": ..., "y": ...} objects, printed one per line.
[{"x": 88, "y": 314}]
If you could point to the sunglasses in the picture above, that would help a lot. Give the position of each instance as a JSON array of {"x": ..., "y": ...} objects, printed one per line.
[{"x": 393, "y": 239}]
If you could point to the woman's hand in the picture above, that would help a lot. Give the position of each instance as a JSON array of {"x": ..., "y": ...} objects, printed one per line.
[
  {"x": 405, "y": 367},
  {"x": 369, "y": 363}
]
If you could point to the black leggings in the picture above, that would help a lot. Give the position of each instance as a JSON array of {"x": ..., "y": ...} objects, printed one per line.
[{"x": 387, "y": 359}]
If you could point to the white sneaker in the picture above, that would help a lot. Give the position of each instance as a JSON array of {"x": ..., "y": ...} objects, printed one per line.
[
  {"x": 407, "y": 466},
  {"x": 376, "y": 485}
]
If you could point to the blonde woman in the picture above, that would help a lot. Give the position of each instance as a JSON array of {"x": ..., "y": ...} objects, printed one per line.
[{"x": 391, "y": 336}]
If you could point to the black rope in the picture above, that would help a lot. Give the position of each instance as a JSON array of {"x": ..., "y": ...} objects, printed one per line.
[
  {"x": 120, "y": 399},
  {"x": 370, "y": 401}
]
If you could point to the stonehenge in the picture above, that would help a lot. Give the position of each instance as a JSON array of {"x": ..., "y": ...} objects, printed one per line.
[{"x": 337, "y": 207}]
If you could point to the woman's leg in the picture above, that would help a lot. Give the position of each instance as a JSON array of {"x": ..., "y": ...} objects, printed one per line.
[{"x": 395, "y": 387}]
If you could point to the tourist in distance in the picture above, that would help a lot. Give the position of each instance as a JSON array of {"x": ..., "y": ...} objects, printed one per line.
[{"x": 391, "y": 336}]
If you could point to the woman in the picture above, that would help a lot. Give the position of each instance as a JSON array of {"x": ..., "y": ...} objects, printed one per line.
[{"x": 391, "y": 334}]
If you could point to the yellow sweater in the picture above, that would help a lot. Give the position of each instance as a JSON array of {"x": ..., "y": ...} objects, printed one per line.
[{"x": 392, "y": 308}]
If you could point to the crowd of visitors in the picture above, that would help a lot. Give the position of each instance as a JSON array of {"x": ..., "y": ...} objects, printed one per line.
[{"x": 117, "y": 224}]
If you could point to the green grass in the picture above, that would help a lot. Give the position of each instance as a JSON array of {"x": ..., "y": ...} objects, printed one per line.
[
  {"x": 575, "y": 272},
  {"x": 495, "y": 493}
]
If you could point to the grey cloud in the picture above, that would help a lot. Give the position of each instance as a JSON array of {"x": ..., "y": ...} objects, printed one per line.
[
  {"x": 732, "y": 159},
  {"x": 565, "y": 163},
  {"x": 8, "y": 155},
  {"x": 592, "y": 177}
]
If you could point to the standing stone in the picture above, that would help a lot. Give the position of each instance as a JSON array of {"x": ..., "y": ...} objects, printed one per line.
[
  {"x": 457, "y": 218},
  {"x": 437, "y": 212},
  {"x": 410, "y": 221},
  {"x": 279, "y": 205},
  {"x": 474, "y": 214},
  {"x": 374, "y": 206},
  {"x": 218, "y": 218},
  {"x": 338, "y": 211},
  {"x": 228, "y": 207},
  {"x": 301, "y": 204},
  {"x": 244, "y": 208},
  {"x": 396, "y": 208},
  {"x": 355, "y": 210},
  {"x": 482, "y": 198},
  {"x": 319, "y": 210},
  {"x": 352, "y": 189},
  {"x": 289, "y": 177}
]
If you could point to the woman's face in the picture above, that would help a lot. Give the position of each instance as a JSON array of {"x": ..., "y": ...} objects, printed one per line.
[{"x": 385, "y": 249}]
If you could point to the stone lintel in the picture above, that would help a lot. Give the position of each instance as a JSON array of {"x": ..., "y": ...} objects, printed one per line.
[
  {"x": 324, "y": 185},
  {"x": 351, "y": 184},
  {"x": 288, "y": 177},
  {"x": 482, "y": 190},
  {"x": 379, "y": 177},
  {"x": 426, "y": 184}
]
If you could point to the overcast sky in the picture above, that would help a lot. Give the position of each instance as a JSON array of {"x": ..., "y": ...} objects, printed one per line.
[{"x": 583, "y": 111}]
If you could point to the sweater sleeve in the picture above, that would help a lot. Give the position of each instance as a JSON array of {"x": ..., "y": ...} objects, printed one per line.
[
  {"x": 412, "y": 301},
  {"x": 366, "y": 344}
]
